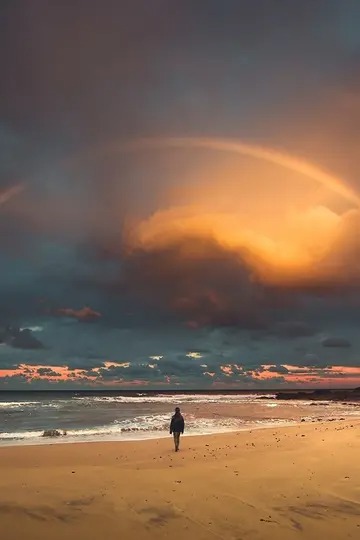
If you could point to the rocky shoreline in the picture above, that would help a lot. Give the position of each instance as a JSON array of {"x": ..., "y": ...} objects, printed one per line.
[{"x": 322, "y": 395}]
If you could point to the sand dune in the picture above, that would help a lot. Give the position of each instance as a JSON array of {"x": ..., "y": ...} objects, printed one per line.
[{"x": 288, "y": 483}]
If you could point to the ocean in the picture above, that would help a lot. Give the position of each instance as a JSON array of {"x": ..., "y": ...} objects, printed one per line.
[{"x": 116, "y": 415}]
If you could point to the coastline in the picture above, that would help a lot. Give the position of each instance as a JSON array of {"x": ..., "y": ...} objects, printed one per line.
[
  {"x": 45, "y": 441},
  {"x": 160, "y": 435},
  {"x": 289, "y": 483},
  {"x": 115, "y": 418}
]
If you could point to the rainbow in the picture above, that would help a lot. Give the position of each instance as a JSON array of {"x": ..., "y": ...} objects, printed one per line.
[{"x": 288, "y": 161}]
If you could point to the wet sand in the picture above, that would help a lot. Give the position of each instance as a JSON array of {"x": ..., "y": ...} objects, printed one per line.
[{"x": 280, "y": 483}]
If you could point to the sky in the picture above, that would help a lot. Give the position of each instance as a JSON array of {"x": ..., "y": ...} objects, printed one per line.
[{"x": 179, "y": 194}]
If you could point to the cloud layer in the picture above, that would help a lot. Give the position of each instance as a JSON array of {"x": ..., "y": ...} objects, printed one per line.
[{"x": 148, "y": 186}]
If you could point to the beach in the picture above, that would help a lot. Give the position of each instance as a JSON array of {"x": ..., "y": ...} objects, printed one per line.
[{"x": 290, "y": 482}]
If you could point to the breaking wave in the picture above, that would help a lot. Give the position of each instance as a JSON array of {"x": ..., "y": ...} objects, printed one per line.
[{"x": 141, "y": 427}]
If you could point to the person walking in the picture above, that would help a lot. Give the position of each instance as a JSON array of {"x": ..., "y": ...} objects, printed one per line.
[{"x": 177, "y": 426}]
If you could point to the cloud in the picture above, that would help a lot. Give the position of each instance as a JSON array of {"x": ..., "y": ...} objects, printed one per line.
[
  {"x": 278, "y": 369},
  {"x": 293, "y": 329},
  {"x": 19, "y": 338},
  {"x": 344, "y": 252},
  {"x": 180, "y": 366},
  {"x": 213, "y": 269},
  {"x": 336, "y": 342},
  {"x": 178, "y": 249},
  {"x": 305, "y": 248},
  {"x": 34, "y": 328},
  {"x": 200, "y": 283},
  {"x": 130, "y": 371},
  {"x": 195, "y": 355},
  {"x": 175, "y": 372},
  {"x": 47, "y": 372},
  {"x": 85, "y": 314},
  {"x": 312, "y": 360}
]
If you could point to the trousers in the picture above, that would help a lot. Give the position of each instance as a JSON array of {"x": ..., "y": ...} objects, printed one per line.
[{"x": 176, "y": 439}]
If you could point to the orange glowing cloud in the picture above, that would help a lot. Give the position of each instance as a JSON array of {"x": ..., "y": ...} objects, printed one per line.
[
  {"x": 295, "y": 247},
  {"x": 267, "y": 375},
  {"x": 293, "y": 238},
  {"x": 341, "y": 376},
  {"x": 45, "y": 372},
  {"x": 85, "y": 314},
  {"x": 229, "y": 231}
]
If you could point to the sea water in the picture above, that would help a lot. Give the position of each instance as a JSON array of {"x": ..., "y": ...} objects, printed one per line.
[{"x": 92, "y": 416}]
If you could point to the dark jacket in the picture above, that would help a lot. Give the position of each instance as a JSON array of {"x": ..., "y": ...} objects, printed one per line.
[{"x": 177, "y": 424}]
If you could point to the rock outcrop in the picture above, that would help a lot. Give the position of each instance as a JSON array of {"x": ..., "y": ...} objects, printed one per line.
[
  {"x": 53, "y": 433},
  {"x": 322, "y": 395}
]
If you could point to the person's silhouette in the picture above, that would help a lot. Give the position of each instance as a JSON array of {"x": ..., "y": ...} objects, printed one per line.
[{"x": 177, "y": 426}]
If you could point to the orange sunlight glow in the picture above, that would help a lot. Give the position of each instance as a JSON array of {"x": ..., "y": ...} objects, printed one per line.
[
  {"x": 289, "y": 239},
  {"x": 239, "y": 147},
  {"x": 274, "y": 258}
]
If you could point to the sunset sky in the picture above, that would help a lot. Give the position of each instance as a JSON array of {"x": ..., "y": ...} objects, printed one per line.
[{"x": 179, "y": 194}]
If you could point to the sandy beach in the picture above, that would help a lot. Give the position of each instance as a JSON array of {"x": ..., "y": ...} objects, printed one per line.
[{"x": 293, "y": 482}]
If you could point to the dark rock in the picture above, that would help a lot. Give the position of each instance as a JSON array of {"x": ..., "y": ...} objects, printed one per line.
[
  {"x": 53, "y": 433},
  {"x": 322, "y": 395}
]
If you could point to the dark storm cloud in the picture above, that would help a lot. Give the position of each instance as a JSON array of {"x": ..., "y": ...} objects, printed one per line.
[
  {"x": 278, "y": 369},
  {"x": 11, "y": 358},
  {"x": 84, "y": 362},
  {"x": 293, "y": 330},
  {"x": 46, "y": 372},
  {"x": 336, "y": 342},
  {"x": 89, "y": 373},
  {"x": 13, "y": 382},
  {"x": 130, "y": 373},
  {"x": 20, "y": 338},
  {"x": 132, "y": 67},
  {"x": 311, "y": 360},
  {"x": 180, "y": 366},
  {"x": 210, "y": 287},
  {"x": 25, "y": 339},
  {"x": 114, "y": 56}
]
